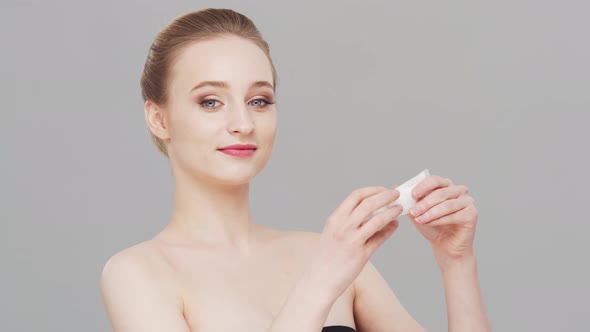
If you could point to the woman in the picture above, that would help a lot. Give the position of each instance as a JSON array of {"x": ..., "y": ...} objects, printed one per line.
[{"x": 208, "y": 85}]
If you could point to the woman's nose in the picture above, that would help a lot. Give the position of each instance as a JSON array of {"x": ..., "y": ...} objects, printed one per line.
[{"x": 240, "y": 120}]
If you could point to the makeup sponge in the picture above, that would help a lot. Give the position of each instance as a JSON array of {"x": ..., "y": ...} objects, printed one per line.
[{"x": 405, "y": 198}]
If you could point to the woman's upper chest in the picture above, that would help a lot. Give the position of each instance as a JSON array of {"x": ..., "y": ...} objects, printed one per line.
[{"x": 225, "y": 292}]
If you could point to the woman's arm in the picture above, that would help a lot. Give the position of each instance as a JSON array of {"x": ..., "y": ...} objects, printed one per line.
[
  {"x": 376, "y": 308},
  {"x": 465, "y": 307},
  {"x": 306, "y": 307},
  {"x": 445, "y": 214},
  {"x": 338, "y": 256},
  {"x": 136, "y": 296}
]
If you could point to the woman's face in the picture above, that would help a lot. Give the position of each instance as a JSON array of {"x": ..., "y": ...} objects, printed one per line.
[{"x": 204, "y": 119}]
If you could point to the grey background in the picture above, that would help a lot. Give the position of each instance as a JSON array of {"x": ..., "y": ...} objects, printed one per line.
[{"x": 493, "y": 95}]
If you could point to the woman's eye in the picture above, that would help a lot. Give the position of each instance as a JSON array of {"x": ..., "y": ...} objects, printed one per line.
[
  {"x": 258, "y": 102},
  {"x": 209, "y": 103}
]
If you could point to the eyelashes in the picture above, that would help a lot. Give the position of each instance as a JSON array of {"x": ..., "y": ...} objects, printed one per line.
[
  {"x": 211, "y": 103},
  {"x": 267, "y": 103},
  {"x": 208, "y": 101}
]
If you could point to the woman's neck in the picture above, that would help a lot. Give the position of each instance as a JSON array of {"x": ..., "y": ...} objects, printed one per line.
[{"x": 213, "y": 214}]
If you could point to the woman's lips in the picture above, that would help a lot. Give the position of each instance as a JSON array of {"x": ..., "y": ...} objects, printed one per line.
[{"x": 238, "y": 152}]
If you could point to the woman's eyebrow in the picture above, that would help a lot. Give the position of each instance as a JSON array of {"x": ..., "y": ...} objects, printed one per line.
[{"x": 225, "y": 85}]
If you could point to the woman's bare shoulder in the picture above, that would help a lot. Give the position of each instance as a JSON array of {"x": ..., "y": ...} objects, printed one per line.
[
  {"x": 306, "y": 237},
  {"x": 140, "y": 260},
  {"x": 137, "y": 291},
  {"x": 274, "y": 234},
  {"x": 303, "y": 241},
  {"x": 144, "y": 253}
]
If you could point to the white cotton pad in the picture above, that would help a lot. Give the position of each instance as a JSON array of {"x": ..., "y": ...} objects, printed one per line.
[{"x": 405, "y": 198}]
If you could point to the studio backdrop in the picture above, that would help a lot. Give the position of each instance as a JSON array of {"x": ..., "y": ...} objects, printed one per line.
[{"x": 493, "y": 95}]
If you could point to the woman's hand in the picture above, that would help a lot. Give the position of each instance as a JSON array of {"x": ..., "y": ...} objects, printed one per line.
[
  {"x": 349, "y": 239},
  {"x": 445, "y": 215}
]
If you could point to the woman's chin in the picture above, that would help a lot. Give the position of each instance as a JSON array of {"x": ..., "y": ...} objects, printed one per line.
[
  {"x": 235, "y": 181},
  {"x": 236, "y": 177}
]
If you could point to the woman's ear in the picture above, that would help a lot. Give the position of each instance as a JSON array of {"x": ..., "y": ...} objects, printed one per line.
[{"x": 155, "y": 118}]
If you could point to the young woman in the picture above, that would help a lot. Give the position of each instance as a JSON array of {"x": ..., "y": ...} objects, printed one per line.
[{"x": 209, "y": 89}]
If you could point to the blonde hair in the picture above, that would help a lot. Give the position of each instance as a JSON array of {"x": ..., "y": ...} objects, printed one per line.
[{"x": 196, "y": 26}]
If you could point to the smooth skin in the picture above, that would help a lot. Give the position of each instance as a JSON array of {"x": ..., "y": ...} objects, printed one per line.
[
  {"x": 446, "y": 216},
  {"x": 213, "y": 268}
]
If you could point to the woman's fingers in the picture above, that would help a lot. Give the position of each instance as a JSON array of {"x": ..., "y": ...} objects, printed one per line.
[
  {"x": 371, "y": 205},
  {"x": 445, "y": 210},
  {"x": 378, "y": 222},
  {"x": 345, "y": 223},
  {"x": 436, "y": 197},
  {"x": 355, "y": 198},
  {"x": 381, "y": 236},
  {"x": 430, "y": 183},
  {"x": 461, "y": 217}
]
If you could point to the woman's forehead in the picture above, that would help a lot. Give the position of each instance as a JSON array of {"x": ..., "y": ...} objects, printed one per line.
[{"x": 234, "y": 60}]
